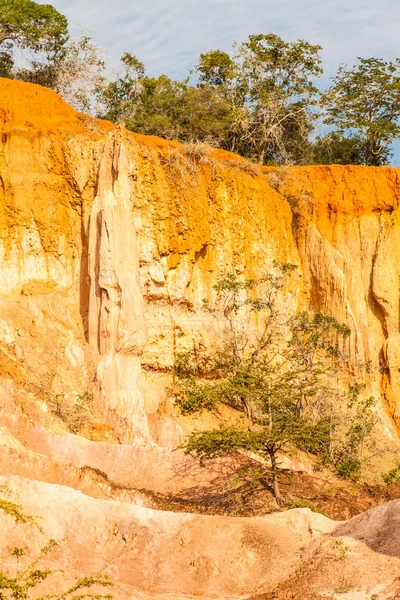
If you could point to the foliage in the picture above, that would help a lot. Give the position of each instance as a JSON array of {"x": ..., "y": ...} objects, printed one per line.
[
  {"x": 162, "y": 106},
  {"x": 23, "y": 584},
  {"x": 29, "y": 25},
  {"x": 16, "y": 512},
  {"x": 260, "y": 100},
  {"x": 365, "y": 101},
  {"x": 120, "y": 95},
  {"x": 393, "y": 475},
  {"x": 277, "y": 78},
  {"x": 26, "y": 580},
  {"x": 285, "y": 380},
  {"x": 256, "y": 102},
  {"x": 352, "y": 432},
  {"x": 75, "y": 72},
  {"x": 337, "y": 148},
  {"x": 216, "y": 68}
]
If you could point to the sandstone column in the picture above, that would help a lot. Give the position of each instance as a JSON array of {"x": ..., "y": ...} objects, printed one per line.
[{"x": 116, "y": 315}]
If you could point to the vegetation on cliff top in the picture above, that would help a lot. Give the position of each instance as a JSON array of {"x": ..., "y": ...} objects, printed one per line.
[{"x": 260, "y": 101}]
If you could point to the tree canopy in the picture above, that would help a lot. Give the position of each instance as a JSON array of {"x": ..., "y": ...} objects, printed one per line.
[
  {"x": 365, "y": 101},
  {"x": 256, "y": 102},
  {"x": 261, "y": 100},
  {"x": 284, "y": 378},
  {"x": 276, "y": 77},
  {"x": 27, "y": 24}
]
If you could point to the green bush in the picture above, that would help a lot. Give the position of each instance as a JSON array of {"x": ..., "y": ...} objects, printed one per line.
[
  {"x": 349, "y": 468},
  {"x": 392, "y": 476}
]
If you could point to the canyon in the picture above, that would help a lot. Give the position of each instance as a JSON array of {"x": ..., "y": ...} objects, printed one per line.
[{"x": 109, "y": 242}]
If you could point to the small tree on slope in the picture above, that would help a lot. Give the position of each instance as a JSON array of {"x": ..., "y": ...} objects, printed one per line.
[{"x": 284, "y": 380}]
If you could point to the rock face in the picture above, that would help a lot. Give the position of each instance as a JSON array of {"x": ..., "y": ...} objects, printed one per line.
[
  {"x": 119, "y": 237},
  {"x": 123, "y": 237},
  {"x": 348, "y": 239},
  {"x": 157, "y": 552},
  {"x": 116, "y": 325},
  {"x": 109, "y": 241}
]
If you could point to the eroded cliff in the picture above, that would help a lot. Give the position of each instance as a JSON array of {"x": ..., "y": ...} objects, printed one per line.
[{"x": 109, "y": 241}]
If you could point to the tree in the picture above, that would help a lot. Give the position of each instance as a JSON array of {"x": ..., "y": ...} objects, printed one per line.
[
  {"x": 216, "y": 68},
  {"x": 336, "y": 148},
  {"x": 6, "y": 65},
  {"x": 73, "y": 68},
  {"x": 277, "y": 77},
  {"x": 257, "y": 102},
  {"x": 393, "y": 475},
  {"x": 162, "y": 106},
  {"x": 75, "y": 72},
  {"x": 119, "y": 97},
  {"x": 29, "y": 25},
  {"x": 284, "y": 379},
  {"x": 268, "y": 84},
  {"x": 365, "y": 101}
]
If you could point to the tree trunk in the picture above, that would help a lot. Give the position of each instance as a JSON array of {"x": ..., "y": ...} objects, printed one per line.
[{"x": 275, "y": 479}]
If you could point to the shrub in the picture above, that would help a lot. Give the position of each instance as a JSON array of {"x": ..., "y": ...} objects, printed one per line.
[{"x": 392, "y": 476}]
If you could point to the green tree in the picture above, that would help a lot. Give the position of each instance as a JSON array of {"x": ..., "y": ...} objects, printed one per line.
[
  {"x": 257, "y": 102},
  {"x": 284, "y": 379},
  {"x": 336, "y": 148},
  {"x": 278, "y": 79},
  {"x": 268, "y": 85},
  {"x": 120, "y": 97},
  {"x": 393, "y": 475},
  {"x": 165, "y": 107},
  {"x": 73, "y": 68},
  {"x": 364, "y": 101},
  {"x": 216, "y": 68},
  {"x": 29, "y": 25}
]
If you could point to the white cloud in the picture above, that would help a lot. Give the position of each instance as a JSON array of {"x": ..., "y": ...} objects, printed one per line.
[{"x": 168, "y": 35}]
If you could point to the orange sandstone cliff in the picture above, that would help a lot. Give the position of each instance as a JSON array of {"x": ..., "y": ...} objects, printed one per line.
[{"x": 109, "y": 241}]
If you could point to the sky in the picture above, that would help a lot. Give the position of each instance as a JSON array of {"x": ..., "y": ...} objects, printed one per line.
[{"x": 169, "y": 35}]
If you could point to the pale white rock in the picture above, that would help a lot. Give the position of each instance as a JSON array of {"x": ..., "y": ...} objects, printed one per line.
[
  {"x": 74, "y": 353},
  {"x": 18, "y": 352},
  {"x": 157, "y": 274},
  {"x": 7, "y": 335},
  {"x": 116, "y": 311}
]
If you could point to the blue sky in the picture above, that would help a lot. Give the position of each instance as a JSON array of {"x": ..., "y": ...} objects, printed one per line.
[{"x": 169, "y": 35}]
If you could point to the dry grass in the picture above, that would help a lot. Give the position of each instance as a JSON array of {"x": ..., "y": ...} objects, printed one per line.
[{"x": 183, "y": 163}]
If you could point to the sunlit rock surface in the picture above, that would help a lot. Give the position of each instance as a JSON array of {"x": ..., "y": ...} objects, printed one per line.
[{"x": 109, "y": 241}]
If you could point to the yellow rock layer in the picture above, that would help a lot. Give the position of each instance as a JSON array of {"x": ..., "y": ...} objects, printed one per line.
[{"x": 110, "y": 240}]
